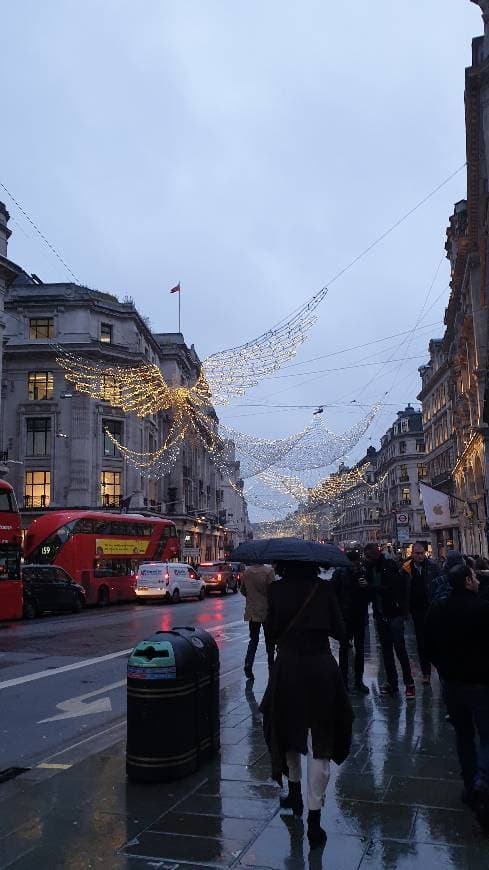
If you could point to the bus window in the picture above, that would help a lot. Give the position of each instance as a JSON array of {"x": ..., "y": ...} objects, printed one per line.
[
  {"x": 101, "y": 527},
  {"x": 83, "y": 527},
  {"x": 6, "y": 502}
]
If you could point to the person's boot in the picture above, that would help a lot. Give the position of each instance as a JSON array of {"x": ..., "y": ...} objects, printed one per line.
[
  {"x": 316, "y": 835},
  {"x": 293, "y": 801},
  {"x": 361, "y": 688},
  {"x": 248, "y": 672}
]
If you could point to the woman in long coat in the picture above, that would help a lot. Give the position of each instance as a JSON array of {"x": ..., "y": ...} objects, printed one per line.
[{"x": 306, "y": 708}]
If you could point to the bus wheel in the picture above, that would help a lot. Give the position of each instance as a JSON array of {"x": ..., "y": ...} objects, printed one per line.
[
  {"x": 103, "y": 597},
  {"x": 176, "y": 596}
]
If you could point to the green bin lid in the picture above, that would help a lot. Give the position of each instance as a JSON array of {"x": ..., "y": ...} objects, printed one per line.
[{"x": 152, "y": 654}]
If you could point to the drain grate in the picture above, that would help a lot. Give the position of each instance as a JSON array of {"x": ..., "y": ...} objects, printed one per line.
[{"x": 11, "y": 773}]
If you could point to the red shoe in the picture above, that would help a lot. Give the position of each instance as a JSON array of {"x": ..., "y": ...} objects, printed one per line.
[{"x": 410, "y": 692}]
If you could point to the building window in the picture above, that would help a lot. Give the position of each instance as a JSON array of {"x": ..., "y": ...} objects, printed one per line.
[
  {"x": 38, "y": 436},
  {"x": 110, "y": 488},
  {"x": 405, "y": 425},
  {"x": 403, "y": 473},
  {"x": 41, "y": 327},
  {"x": 421, "y": 470},
  {"x": 106, "y": 333},
  {"x": 115, "y": 429},
  {"x": 406, "y": 495},
  {"x": 37, "y": 489},
  {"x": 402, "y": 446},
  {"x": 110, "y": 391},
  {"x": 419, "y": 445},
  {"x": 40, "y": 386}
]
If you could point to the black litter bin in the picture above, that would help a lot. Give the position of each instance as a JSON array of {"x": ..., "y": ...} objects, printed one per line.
[{"x": 172, "y": 704}]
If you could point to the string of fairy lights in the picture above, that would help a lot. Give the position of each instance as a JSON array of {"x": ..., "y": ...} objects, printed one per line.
[{"x": 142, "y": 390}]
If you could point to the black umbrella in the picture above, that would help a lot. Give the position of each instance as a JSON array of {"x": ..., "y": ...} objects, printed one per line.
[{"x": 271, "y": 550}]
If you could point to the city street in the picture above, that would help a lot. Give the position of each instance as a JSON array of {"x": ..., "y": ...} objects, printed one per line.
[
  {"x": 62, "y": 678},
  {"x": 395, "y": 803}
]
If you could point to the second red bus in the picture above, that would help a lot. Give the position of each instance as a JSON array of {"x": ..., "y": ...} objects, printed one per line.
[{"x": 101, "y": 551}]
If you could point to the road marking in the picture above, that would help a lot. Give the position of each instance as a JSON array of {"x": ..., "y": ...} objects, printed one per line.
[
  {"x": 46, "y": 766},
  {"x": 74, "y": 707},
  {"x": 52, "y": 672}
]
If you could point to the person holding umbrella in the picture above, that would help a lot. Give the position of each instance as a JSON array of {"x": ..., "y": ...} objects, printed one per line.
[{"x": 306, "y": 709}]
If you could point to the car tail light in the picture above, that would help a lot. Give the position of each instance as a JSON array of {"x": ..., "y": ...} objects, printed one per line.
[
  {"x": 167, "y": 578},
  {"x": 218, "y": 578}
]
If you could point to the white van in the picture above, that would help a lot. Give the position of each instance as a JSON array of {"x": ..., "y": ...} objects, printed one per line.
[{"x": 168, "y": 581}]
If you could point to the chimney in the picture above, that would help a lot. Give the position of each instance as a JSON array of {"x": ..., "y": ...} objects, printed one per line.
[
  {"x": 5, "y": 233},
  {"x": 484, "y": 6}
]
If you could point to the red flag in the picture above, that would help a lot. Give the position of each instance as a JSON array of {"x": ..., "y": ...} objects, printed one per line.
[{"x": 175, "y": 289}]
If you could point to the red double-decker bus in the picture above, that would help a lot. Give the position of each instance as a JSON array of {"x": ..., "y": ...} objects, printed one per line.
[
  {"x": 101, "y": 551},
  {"x": 11, "y": 600}
]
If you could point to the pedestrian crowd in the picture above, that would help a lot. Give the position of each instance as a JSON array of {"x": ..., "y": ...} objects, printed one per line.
[{"x": 306, "y": 708}]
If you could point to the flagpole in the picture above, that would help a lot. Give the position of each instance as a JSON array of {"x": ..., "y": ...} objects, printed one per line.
[{"x": 179, "y": 294}]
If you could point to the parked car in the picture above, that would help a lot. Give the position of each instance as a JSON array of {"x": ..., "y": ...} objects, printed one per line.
[
  {"x": 238, "y": 570},
  {"x": 47, "y": 587},
  {"x": 168, "y": 581},
  {"x": 218, "y": 577}
]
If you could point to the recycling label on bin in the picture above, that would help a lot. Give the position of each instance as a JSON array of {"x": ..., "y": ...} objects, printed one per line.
[{"x": 145, "y": 673}]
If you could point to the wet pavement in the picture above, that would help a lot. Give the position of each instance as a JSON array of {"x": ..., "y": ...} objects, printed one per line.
[{"x": 395, "y": 803}]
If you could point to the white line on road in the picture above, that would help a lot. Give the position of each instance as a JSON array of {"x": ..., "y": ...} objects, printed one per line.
[{"x": 85, "y": 663}]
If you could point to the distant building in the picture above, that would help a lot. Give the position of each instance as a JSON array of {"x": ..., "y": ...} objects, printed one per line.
[
  {"x": 399, "y": 468},
  {"x": 435, "y": 397},
  {"x": 357, "y": 510}
]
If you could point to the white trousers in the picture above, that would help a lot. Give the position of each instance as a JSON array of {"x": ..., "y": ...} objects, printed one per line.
[{"x": 317, "y": 774}]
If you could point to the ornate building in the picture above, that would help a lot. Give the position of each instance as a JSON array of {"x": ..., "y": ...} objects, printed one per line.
[
  {"x": 435, "y": 397},
  {"x": 356, "y": 519},
  {"x": 56, "y": 438},
  {"x": 467, "y": 313},
  {"x": 399, "y": 468}
]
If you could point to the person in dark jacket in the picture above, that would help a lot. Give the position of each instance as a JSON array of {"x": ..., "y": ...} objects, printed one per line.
[
  {"x": 457, "y": 643},
  {"x": 351, "y": 589},
  {"x": 440, "y": 586},
  {"x": 306, "y": 707},
  {"x": 389, "y": 596},
  {"x": 420, "y": 573}
]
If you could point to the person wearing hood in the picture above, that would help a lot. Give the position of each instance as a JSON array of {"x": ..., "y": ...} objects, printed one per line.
[
  {"x": 457, "y": 644},
  {"x": 440, "y": 586}
]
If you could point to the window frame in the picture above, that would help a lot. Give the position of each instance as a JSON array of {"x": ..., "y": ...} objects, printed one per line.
[
  {"x": 34, "y": 379},
  {"x": 106, "y": 333},
  {"x": 112, "y": 452},
  {"x": 35, "y": 326},
  {"x": 30, "y": 448},
  {"x": 43, "y": 499}
]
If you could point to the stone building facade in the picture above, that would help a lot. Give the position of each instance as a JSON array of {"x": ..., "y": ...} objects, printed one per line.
[
  {"x": 435, "y": 397},
  {"x": 56, "y": 437},
  {"x": 399, "y": 468},
  {"x": 357, "y": 518}
]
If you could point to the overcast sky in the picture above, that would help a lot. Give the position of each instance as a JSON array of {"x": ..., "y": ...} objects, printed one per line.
[{"x": 249, "y": 150}]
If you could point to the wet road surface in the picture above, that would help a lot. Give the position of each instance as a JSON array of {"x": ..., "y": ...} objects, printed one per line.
[{"x": 395, "y": 803}]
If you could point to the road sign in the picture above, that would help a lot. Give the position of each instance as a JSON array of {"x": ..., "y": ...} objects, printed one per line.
[
  {"x": 403, "y": 519},
  {"x": 403, "y": 536}
]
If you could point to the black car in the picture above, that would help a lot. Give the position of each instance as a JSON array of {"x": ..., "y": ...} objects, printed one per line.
[
  {"x": 47, "y": 587},
  {"x": 218, "y": 577}
]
